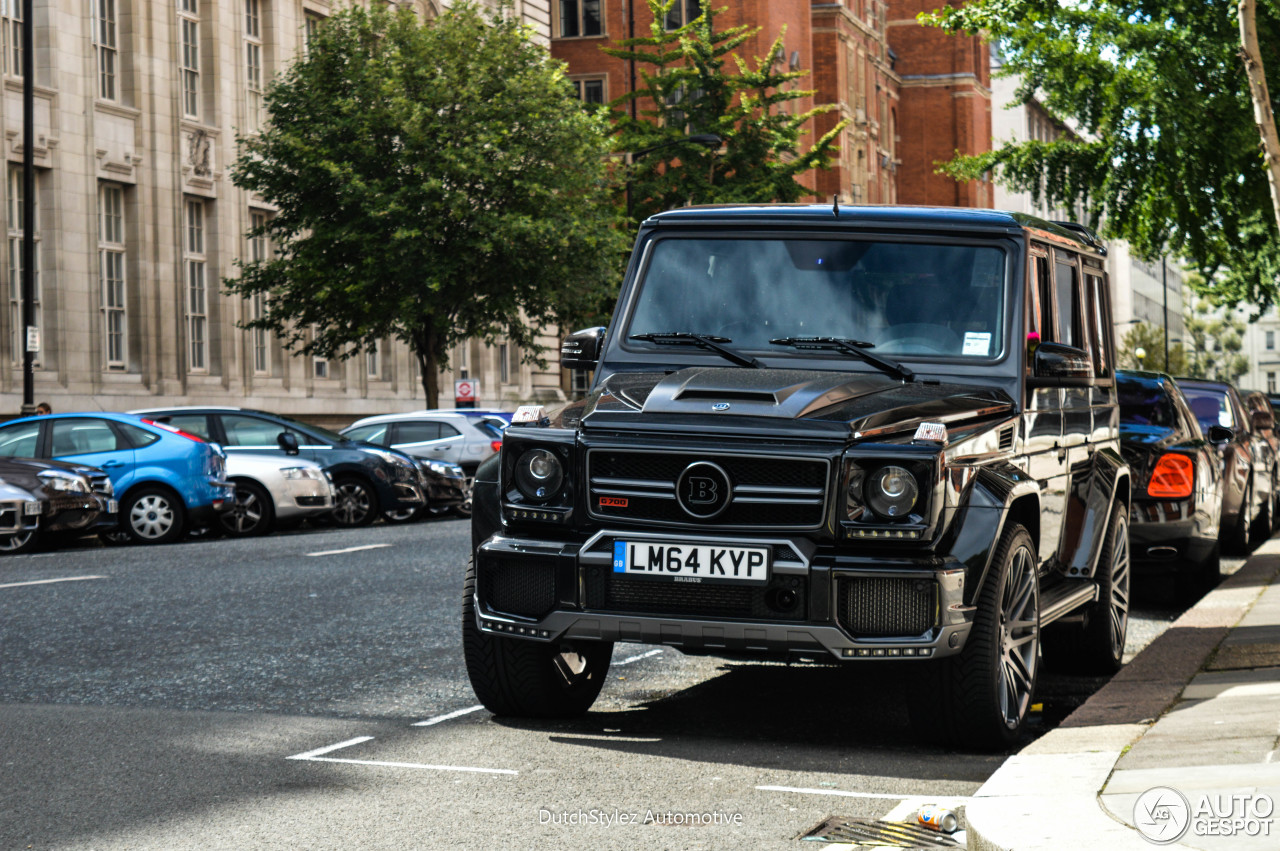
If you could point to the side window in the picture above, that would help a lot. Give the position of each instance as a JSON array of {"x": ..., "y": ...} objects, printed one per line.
[
  {"x": 197, "y": 424},
  {"x": 1099, "y": 325},
  {"x": 417, "y": 432},
  {"x": 82, "y": 435},
  {"x": 139, "y": 437},
  {"x": 1039, "y": 299},
  {"x": 1070, "y": 326},
  {"x": 251, "y": 431},
  {"x": 447, "y": 430},
  {"x": 19, "y": 441},
  {"x": 370, "y": 434}
]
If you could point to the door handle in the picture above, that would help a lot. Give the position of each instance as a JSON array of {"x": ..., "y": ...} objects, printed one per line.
[{"x": 111, "y": 464}]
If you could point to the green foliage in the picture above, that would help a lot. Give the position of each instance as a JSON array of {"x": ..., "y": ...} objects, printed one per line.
[
  {"x": 1169, "y": 154},
  {"x": 691, "y": 82},
  {"x": 1215, "y": 344},
  {"x": 1150, "y": 340},
  {"x": 433, "y": 182}
]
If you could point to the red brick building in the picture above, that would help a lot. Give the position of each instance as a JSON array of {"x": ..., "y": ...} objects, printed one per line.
[{"x": 913, "y": 95}]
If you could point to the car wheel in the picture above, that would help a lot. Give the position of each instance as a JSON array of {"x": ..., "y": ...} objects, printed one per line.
[
  {"x": 153, "y": 515},
  {"x": 354, "y": 503},
  {"x": 468, "y": 485},
  {"x": 530, "y": 679},
  {"x": 1237, "y": 539},
  {"x": 1095, "y": 645},
  {"x": 250, "y": 513},
  {"x": 403, "y": 515},
  {"x": 21, "y": 542},
  {"x": 980, "y": 698}
]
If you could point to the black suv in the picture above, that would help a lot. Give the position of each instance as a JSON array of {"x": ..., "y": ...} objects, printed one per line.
[{"x": 856, "y": 435}]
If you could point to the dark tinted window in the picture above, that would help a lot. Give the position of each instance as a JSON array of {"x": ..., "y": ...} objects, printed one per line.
[
  {"x": 1145, "y": 402},
  {"x": 417, "y": 432},
  {"x": 19, "y": 441},
  {"x": 1069, "y": 324},
  {"x": 139, "y": 437}
]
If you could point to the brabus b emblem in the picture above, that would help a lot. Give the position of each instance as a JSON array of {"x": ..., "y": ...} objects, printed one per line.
[{"x": 703, "y": 490}]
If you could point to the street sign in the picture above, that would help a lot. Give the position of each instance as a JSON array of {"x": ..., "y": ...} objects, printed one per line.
[
  {"x": 33, "y": 338},
  {"x": 465, "y": 392}
]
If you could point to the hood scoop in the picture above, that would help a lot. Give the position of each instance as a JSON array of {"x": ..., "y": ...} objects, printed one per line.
[{"x": 783, "y": 393}]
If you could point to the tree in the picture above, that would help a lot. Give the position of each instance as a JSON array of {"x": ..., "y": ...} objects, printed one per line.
[
  {"x": 433, "y": 182},
  {"x": 1215, "y": 344},
  {"x": 1150, "y": 340},
  {"x": 691, "y": 82},
  {"x": 1168, "y": 155}
]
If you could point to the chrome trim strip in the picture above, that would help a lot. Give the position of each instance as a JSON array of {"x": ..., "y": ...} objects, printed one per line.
[
  {"x": 656, "y": 484},
  {"x": 638, "y": 494},
  {"x": 780, "y": 490}
]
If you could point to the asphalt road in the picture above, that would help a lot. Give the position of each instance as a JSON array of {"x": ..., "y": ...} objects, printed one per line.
[{"x": 306, "y": 690}]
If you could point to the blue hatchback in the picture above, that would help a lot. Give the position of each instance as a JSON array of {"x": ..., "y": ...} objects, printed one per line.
[{"x": 164, "y": 478}]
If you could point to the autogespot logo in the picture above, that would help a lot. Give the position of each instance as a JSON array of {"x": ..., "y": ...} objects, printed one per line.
[{"x": 1162, "y": 815}]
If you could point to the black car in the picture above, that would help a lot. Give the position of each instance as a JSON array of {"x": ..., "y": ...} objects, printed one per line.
[
  {"x": 1248, "y": 460},
  {"x": 848, "y": 434},
  {"x": 367, "y": 479},
  {"x": 73, "y": 499},
  {"x": 1177, "y": 481}
]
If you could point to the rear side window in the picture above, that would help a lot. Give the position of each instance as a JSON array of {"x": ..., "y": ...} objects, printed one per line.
[
  {"x": 197, "y": 424},
  {"x": 139, "y": 437},
  {"x": 417, "y": 432}
]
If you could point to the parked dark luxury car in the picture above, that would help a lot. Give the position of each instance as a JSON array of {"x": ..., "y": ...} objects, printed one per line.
[
  {"x": 70, "y": 499},
  {"x": 1177, "y": 481},
  {"x": 849, "y": 434},
  {"x": 1248, "y": 461},
  {"x": 367, "y": 479}
]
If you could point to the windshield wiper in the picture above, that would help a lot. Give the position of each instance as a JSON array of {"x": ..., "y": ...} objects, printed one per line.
[
  {"x": 702, "y": 341},
  {"x": 857, "y": 348}
]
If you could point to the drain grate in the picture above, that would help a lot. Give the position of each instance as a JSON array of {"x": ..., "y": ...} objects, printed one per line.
[{"x": 873, "y": 833}]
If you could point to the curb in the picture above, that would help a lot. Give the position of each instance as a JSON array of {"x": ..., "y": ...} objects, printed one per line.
[{"x": 1046, "y": 796}]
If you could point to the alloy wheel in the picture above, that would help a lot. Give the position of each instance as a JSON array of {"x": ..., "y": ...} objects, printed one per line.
[
  {"x": 352, "y": 504},
  {"x": 1120, "y": 574},
  {"x": 17, "y": 542},
  {"x": 1019, "y": 637},
  {"x": 245, "y": 514}
]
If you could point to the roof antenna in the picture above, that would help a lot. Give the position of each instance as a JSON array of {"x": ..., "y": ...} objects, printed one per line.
[{"x": 835, "y": 205}]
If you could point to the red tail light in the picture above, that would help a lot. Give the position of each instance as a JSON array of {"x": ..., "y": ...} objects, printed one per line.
[
  {"x": 176, "y": 431},
  {"x": 495, "y": 445},
  {"x": 1173, "y": 478}
]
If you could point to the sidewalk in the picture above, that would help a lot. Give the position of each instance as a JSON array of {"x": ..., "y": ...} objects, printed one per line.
[{"x": 1186, "y": 734}]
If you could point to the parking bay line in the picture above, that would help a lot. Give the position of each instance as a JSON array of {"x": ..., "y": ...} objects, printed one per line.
[
  {"x": 51, "y": 581},
  {"x": 349, "y": 550},
  {"x": 317, "y": 755}
]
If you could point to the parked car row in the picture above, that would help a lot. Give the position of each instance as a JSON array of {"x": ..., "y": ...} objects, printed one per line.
[
  {"x": 151, "y": 476},
  {"x": 1204, "y": 459}
]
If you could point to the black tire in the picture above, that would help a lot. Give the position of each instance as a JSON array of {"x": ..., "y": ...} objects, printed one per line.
[
  {"x": 250, "y": 513},
  {"x": 530, "y": 679},
  {"x": 1095, "y": 645},
  {"x": 27, "y": 541},
  {"x": 354, "y": 503},
  {"x": 403, "y": 515},
  {"x": 1236, "y": 540},
  {"x": 153, "y": 514},
  {"x": 979, "y": 700}
]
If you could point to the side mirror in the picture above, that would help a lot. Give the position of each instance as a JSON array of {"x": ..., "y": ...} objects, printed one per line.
[
  {"x": 1262, "y": 420},
  {"x": 288, "y": 441},
  {"x": 581, "y": 349},
  {"x": 1220, "y": 434},
  {"x": 1058, "y": 364}
]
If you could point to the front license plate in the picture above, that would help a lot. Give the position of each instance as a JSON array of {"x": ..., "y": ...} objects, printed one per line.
[
  {"x": 692, "y": 562},
  {"x": 113, "y": 506}
]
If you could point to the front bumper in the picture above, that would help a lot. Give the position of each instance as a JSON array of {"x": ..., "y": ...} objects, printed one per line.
[
  {"x": 814, "y": 605},
  {"x": 81, "y": 512},
  {"x": 304, "y": 497}
]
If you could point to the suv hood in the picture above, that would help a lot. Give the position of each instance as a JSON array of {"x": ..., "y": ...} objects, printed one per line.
[{"x": 844, "y": 401}]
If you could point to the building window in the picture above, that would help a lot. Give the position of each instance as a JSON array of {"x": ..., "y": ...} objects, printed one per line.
[
  {"x": 373, "y": 363},
  {"x": 1271, "y": 382},
  {"x": 580, "y": 18},
  {"x": 111, "y": 266},
  {"x": 310, "y": 27},
  {"x": 11, "y": 23},
  {"x": 253, "y": 63},
  {"x": 197, "y": 291},
  {"x": 258, "y": 301},
  {"x": 504, "y": 372},
  {"x": 579, "y": 381},
  {"x": 14, "y": 197},
  {"x": 189, "y": 23},
  {"x": 1271, "y": 341},
  {"x": 683, "y": 12},
  {"x": 104, "y": 44},
  {"x": 589, "y": 91}
]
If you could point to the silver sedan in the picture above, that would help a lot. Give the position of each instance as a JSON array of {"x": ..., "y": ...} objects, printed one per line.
[{"x": 271, "y": 488}]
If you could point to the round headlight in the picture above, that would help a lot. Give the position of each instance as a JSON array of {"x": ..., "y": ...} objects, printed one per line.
[
  {"x": 539, "y": 474},
  {"x": 892, "y": 491}
]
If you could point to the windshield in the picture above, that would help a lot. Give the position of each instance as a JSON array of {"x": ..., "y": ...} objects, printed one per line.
[{"x": 919, "y": 299}]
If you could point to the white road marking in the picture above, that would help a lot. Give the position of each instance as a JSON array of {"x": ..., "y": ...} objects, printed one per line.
[
  {"x": 950, "y": 801},
  {"x": 413, "y": 765},
  {"x": 447, "y": 716},
  {"x": 349, "y": 550},
  {"x": 638, "y": 658},
  {"x": 331, "y": 748},
  {"x": 49, "y": 581}
]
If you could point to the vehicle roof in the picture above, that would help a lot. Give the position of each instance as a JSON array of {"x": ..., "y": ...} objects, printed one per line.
[
  {"x": 966, "y": 218},
  {"x": 411, "y": 415},
  {"x": 196, "y": 408},
  {"x": 1206, "y": 382},
  {"x": 110, "y": 415}
]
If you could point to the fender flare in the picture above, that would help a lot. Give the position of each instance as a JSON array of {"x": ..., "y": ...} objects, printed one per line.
[{"x": 999, "y": 492}]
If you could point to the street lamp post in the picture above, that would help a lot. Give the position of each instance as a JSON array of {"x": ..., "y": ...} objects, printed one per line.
[
  {"x": 706, "y": 140},
  {"x": 28, "y": 212}
]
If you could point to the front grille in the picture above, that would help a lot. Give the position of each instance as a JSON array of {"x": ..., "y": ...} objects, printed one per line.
[
  {"x": 10, "y": 517},
  {"x": 101, "y": 484},
  {"x": 768, "y": 492},
  {"x": 312, "y": 501},
  {"x": 525, "y": 587},
  {"x": 886, "y": 606},
  {"x": 782, "y": 598}
]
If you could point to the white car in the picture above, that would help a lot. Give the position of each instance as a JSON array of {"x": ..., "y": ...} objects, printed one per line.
[
  {"x": 271, "y": 488},
  {"x": 465, "y": 440}
]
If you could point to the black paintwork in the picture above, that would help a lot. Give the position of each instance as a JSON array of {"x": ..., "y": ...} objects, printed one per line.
[{"x": 65, "y": 510}]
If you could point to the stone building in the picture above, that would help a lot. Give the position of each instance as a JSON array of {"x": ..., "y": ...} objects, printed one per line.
[
  {"x": 137, "y": 103},
  {"x": 913, "y": 95}
]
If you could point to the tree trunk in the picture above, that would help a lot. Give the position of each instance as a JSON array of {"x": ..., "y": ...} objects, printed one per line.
[
  {"x": 1262, "y": 114},
  {"x": 425, "y": 344}
]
